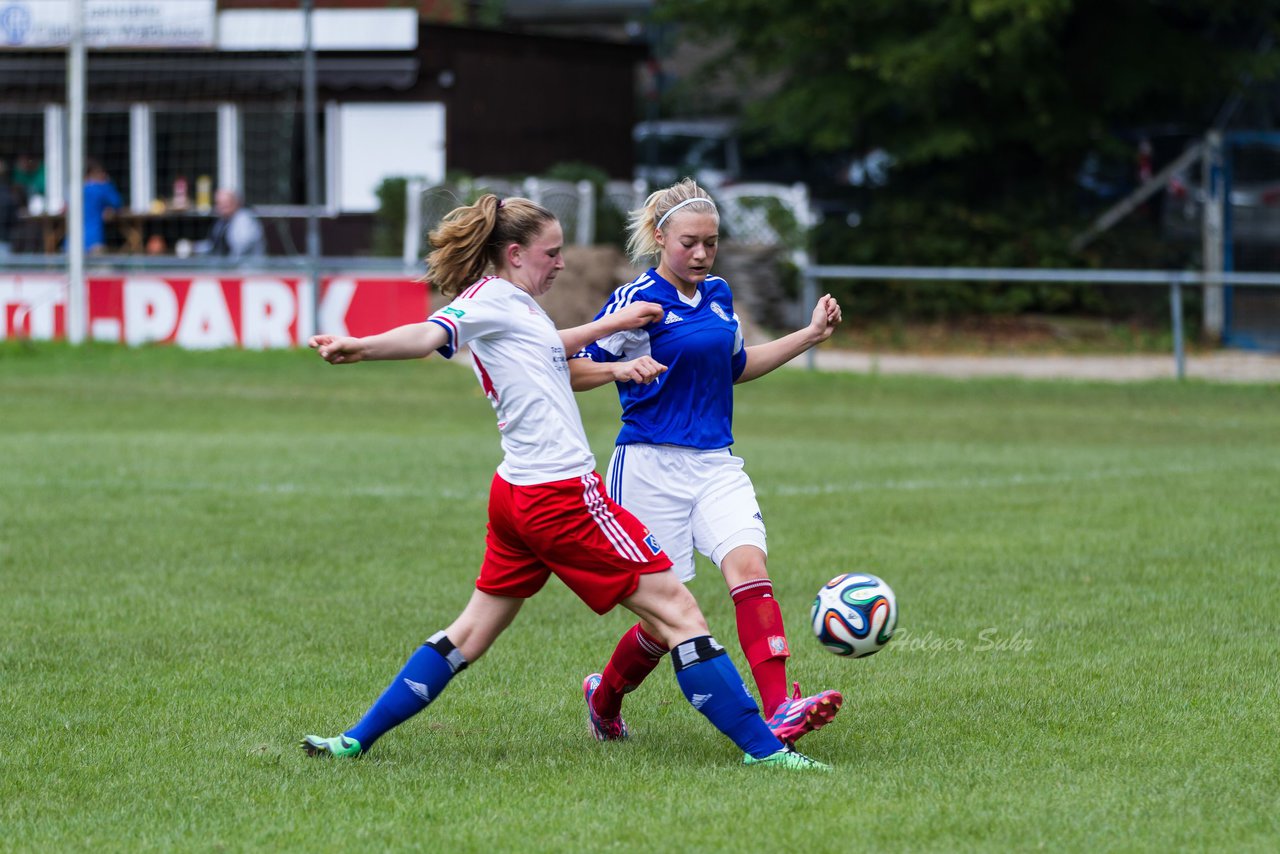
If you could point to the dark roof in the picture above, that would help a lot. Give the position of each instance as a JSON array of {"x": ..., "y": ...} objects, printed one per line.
[{"x": 40, "y": 76}]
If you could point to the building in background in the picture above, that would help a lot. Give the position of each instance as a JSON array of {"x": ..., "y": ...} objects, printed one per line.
[{"x": 403, "y": 92}]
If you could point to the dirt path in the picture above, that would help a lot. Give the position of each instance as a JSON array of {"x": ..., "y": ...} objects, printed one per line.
[{"x": 1226, "y": 366}]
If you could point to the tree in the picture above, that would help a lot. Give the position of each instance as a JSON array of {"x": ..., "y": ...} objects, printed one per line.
[{"x": 998, "y": 99}]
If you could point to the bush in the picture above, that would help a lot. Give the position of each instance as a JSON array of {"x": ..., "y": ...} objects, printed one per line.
[
  {"x": 389, "y": 221},
  {"x": 928, "y": 233}
]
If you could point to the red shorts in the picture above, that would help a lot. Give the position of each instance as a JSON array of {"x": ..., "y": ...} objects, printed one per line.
[{"x": 570, "y": 528}]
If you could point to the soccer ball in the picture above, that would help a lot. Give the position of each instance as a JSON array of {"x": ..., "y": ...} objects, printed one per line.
[{"x": 854, "y": 614}]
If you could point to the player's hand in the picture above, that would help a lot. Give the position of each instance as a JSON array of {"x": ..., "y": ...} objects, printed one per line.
[
  {"x": 643, "y": 370},
  {"x": 337, "y": 350},
  {"x": 826, "y": 317},
  {"x": 639, "y": 314}
]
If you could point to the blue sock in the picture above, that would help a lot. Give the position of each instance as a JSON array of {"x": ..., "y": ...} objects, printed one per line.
[
  {"x": 419, "y": 682},
  {"x": 712, "y": 684}
]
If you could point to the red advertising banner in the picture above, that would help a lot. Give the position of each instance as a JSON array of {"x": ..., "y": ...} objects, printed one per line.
[{"x": 211, "y": 311}]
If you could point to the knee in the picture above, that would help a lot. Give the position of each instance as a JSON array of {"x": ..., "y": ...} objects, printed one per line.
[{"x": 743, "y": 564}]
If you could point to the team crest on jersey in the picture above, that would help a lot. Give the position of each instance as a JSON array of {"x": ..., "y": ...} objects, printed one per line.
[
  {"x": 715, "y": 306},
  {"x": 652, "y": 542}
]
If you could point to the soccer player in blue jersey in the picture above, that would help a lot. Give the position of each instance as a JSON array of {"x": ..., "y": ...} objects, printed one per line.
[
  {"x": 673, "y": 466},
  {"x": 548, "y": 511}
]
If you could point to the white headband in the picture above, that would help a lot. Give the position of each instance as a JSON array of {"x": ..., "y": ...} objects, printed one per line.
[{"x": 679, "y": 205}]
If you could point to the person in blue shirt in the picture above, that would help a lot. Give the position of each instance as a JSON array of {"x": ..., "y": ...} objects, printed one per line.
[
  {"x": 100, "y": 196},
  {"x": 673, "y": 466}
]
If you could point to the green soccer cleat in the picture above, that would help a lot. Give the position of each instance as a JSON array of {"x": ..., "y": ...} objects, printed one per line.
[
  {"x": 789, "y": 759},
  {"x": 339, "y": 745}
]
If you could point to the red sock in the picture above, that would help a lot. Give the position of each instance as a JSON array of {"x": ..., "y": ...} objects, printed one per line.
[
  {"x": 763, "y": 639},
  {"x": 634, "y": 658}
]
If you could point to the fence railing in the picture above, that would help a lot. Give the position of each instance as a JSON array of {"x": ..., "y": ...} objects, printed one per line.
[
  {"x": 1174, "y": 280},
  {"x": 573, "y": 203},
  {"x": 753, "y": 214},
  {"x": 293, "y": 265}
]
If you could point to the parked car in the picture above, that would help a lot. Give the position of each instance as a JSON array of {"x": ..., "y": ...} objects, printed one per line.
[
  {"x": 1254, "y": 196},
  {"x": 716, "y": 153},
  {"x": 706, "y": 150}
]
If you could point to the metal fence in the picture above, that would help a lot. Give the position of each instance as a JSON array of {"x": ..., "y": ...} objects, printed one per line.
[
  {"x": 1174, "y": 280},
  {"x": 573, "y": 203},
  {"x": 768, "y": 215}
]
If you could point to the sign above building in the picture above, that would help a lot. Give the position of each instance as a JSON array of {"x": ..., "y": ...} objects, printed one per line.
[
  {"x": 331, "y": 29},
  {"x": 109, "y": 23},
  {"x": 138, "y": 24}
]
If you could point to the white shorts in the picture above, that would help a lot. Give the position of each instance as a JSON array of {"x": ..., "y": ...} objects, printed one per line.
[{"x": 689, "y": 499}]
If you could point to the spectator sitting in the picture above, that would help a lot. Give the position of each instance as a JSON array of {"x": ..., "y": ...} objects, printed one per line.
[
  {"x": 28, "y": 177},
  {"x": 237, "y": 234}
]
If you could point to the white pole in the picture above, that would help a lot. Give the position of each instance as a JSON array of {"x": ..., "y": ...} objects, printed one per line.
[
  {"x": 141, "y": 159},
  {"x": 413, "y": 191},
  {"x": 77, "y": 297},
  {"x": 230, "y": 170},
  {"x": 1211, "y": 235},
  {"x": 586, "y": 230},
  {"x": 55, "y": 158}
]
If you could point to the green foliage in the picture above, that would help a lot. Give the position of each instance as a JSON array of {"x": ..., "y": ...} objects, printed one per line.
[
  {"x": 389, "y": 220},
  {"x": 910, "y": 230},
  {"x": 207, "y": 555},
  {"x": 969, "y": 81},
  {"x": 987, "y": 106},
  {"x": 487, "y": 13}
]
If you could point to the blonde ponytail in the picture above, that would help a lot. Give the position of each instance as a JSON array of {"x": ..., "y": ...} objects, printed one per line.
[{"x": 470, "y": 240}]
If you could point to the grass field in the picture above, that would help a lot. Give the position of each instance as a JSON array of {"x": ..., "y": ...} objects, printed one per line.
[{"x": 206, "y": 555}]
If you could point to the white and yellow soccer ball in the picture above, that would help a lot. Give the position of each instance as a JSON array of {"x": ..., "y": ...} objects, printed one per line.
[{"x": 854, "y": 614}]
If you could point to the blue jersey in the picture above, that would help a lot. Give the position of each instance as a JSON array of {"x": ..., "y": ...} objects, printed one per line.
[
  {"x": 701, "y": 344},
  {"x": 98, "y": 196}
]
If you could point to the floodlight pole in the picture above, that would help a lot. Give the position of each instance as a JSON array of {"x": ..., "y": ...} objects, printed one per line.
[
  {"x": 311, "y": 137},
  {"x": 77, "y": 316}
]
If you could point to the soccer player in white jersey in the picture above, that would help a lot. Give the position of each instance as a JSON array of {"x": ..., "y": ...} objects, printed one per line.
[
  {"x": 673, "y": 466},
  {"x": 548, "y": 511}
]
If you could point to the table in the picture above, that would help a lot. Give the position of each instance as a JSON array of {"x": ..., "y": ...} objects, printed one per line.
[{"x": 127, "y": 231}]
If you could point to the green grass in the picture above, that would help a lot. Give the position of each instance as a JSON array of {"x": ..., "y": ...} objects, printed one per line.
[{"x": 206, "y": 555}]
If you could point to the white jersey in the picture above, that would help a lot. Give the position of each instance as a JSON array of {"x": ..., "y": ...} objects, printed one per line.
[{"x": 520, "y": 361}]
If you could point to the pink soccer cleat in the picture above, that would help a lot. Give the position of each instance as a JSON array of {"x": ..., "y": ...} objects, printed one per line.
[
  {"x": 604, "y": 729},
  {"x": 801, "y": 715}
]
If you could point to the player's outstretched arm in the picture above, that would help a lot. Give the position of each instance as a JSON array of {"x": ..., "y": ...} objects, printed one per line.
[
  {"x": 763, "y": 358},
  {"x": 586, "y": 374},
  {"x": 634, "y": 316},
  {"x": 411, "y": 341}
]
